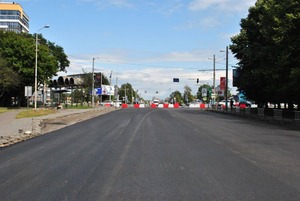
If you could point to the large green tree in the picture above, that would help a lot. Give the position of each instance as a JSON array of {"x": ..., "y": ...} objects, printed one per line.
[
  {"x": 268, "y": 50},
  {"x": 18, "y": 52},
  {"x": 8, "y": 78},
  {"x": 176, "y": 97},
  {"x": 188, "y": 97}
]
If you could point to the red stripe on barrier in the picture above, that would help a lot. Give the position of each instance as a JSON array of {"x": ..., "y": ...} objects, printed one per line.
[
  {"x": 136, "y": 106},
  {"x": 242, "y": 106},
  {"x": 153, "y": 105},
  {"x": 176, "y": 105},
  {"x": 124, "y": 106},
  {"x": 166, "y": 105},
  {"x": 202, "y": 105}
]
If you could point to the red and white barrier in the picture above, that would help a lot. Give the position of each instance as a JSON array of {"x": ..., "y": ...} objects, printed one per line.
[{"x": 166, "y": 105}]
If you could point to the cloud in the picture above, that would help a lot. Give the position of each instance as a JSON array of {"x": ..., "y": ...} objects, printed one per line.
[
  {"x": 222, "y": 5},
  {"x": 109, "y": 3},
  {"x": 168, "y": 8}
]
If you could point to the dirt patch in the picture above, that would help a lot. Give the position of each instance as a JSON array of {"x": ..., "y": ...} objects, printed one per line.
[{"x": 48, "y": 125}]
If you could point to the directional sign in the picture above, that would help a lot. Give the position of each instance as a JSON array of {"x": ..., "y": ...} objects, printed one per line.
[{"x": 175, "y": 79}]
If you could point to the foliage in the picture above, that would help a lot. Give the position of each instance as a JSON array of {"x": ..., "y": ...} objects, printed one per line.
[
  {"x": 18, "y": 52},
  {"x": 86, "y": 83},
  {"x": 177, "y": 96},
  {"x": 188, "y": 97},
  {"x": 200, "y": 95},
  {"x": 126, "y": 90},
  {"x": 268, "y": 49},
  {"x": 8, "y": 78}
]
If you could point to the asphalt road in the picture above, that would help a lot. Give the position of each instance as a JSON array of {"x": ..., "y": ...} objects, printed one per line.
[{"x": 155, "y": 154}]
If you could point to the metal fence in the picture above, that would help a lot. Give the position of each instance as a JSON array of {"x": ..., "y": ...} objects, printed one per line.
[{"x": 279, "y": 115}]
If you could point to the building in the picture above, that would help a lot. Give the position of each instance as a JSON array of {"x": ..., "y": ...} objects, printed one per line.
[{"x": 13, "y": 17}]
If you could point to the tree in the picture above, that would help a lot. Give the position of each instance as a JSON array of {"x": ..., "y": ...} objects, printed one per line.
[
  {"x": 176, "y": 97},
  {"x": 8, "y": 78},
  {"x": 18, "y": 51},
  {"x": 188, "y": 97},
  {"x": 200, "y": 96},
  {"x": 126, "y": 92},
  {"x": 268, "y": 48}
]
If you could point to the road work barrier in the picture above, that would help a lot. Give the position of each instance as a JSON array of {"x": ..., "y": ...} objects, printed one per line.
[{"x": 164, "y": 106}]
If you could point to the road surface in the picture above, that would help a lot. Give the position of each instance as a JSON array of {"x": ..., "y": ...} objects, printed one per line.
[{"x": 155, "y": 154}]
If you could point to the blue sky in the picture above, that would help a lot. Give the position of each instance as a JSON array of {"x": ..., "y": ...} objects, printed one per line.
[{"x": 145, "y": 43}]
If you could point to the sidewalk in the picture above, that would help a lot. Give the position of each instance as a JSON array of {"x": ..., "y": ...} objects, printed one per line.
[{"x": 14, "y": 130}]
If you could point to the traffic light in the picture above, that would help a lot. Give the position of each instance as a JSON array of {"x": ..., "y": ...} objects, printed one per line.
[
  {"x": 208, "y": 93},
  {"x": 197, "y": 80}
]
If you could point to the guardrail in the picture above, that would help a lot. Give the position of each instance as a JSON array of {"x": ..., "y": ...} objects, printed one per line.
[{"x": 278, "y": 115}]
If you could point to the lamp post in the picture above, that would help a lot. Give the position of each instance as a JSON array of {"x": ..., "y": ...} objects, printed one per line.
[
  {"x": 35, "y": 69},
  {"x": 93, "y": 84},
  {"x": 226, "y": 80},
  {"x": 226, "y": 85}
]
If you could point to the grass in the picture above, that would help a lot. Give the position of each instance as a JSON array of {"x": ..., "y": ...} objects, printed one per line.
[
  {"x": 3, "y": 109},
  {"x": 78, "y": 107},
  {"x": 35, "y": 113}
]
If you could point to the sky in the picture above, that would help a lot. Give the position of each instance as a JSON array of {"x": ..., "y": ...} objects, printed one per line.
[{"x": 144, "y": 43}]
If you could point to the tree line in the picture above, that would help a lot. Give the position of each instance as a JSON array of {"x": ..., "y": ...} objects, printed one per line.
[{"x": 268, "y": 51}]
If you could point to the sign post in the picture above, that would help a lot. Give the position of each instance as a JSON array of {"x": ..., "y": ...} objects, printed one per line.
[{"x": 28, "y": 94}]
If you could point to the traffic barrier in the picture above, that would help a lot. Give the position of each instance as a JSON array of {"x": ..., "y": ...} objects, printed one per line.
[
  {"x": 136, "y": 105},
  {"x": 202, "y": 105},
  {"x": 176, "y": 105},
  {"x": 153, "y": 105},
  {"x": 166, "y": 105},
  {"x": 124, "y": 105},
  {"x": 160, "y": 106},
  {"x": 242, "y": 106}
]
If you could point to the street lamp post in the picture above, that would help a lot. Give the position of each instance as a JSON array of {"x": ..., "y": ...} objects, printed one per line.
[
  {"x": 35, "y": 69},
  {"x": 226, "y": 85},
  {"x": 226, "y": 80},
  {"x": 93, "y": 84}
]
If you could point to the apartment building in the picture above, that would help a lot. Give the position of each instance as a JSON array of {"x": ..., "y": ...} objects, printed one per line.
[{"x": 13, "y": 17}]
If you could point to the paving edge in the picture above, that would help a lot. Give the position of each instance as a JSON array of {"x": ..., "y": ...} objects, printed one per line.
[{"x": 6, "y": 141}]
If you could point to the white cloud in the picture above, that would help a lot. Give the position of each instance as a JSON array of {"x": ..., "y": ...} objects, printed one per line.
[
  {"x": 107, "y": 3},
  {"x": 223, "y": 5}
]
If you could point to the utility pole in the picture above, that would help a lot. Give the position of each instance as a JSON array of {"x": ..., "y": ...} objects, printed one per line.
[
  {"x": 226, "y": 85},
  {"x": 110, "y": 83},
  {"x": 214, "y": 80}
]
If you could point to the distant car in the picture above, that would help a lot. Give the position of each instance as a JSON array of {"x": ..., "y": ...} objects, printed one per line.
[
  {"x": 107, "y": 103},
  {"x": 117, "y": 103},
  {"x": 156, "y": 102},
  {"x": 222, "y": 104}
]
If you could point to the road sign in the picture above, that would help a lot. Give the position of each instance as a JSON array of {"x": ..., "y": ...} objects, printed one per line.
[
  {"x": 204, "y": 92},
  {"x": 28, "y": 91},
  {"x": 175, "y": 79}
]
